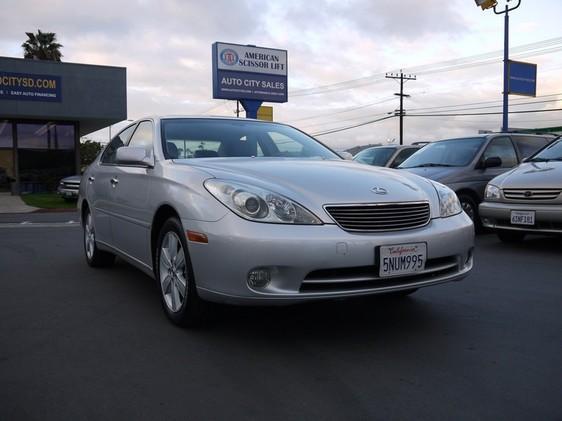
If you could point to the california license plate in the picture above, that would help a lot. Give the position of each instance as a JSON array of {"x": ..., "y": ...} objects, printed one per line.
[
  {"x": 523, "y": 217},
  {"x": 402, "y": 259}
]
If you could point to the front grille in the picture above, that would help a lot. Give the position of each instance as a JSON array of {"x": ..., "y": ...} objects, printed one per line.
[
  {"x": 531, "y": 194},
  {"x": 71, "y": 186},
  {"x": 380, "y": 216}
]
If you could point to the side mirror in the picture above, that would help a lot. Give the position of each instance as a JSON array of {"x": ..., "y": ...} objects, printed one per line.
[
  {"x": 346, "y": 155},
  {"x": 129, "y": 155},
  {"x": 492, "y": 162}
]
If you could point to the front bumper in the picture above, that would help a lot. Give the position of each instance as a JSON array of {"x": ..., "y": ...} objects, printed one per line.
[
  {"x": 497, "y": 215},
  {"x": 68, "y": 193},
  {"x": 318, "y": 262}
]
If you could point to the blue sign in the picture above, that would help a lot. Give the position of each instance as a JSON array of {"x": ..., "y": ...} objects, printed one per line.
[
  {"x": 522, "y": 78},
  {"x": 244, "y": 72},
  {"x": 30, "y": 87}
]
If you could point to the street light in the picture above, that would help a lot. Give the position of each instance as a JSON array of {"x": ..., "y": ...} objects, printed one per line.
[{"x": 487, "y": 4}]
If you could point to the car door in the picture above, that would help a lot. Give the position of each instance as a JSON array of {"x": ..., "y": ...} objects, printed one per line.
[
  {"x": 100, "y": 187},
  {"x": 500, "y": 147},
  {"x": 130, "y": 223}
]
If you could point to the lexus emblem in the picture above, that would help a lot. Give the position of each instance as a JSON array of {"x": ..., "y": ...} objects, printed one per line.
[
  {"x": 379, "y": 190},
  {"x": 528, "y": 193}
]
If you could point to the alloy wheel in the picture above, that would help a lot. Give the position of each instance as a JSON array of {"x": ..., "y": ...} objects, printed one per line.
[
  {"x": 89, "y": 237},
  {"x": 173, "y": 272}
]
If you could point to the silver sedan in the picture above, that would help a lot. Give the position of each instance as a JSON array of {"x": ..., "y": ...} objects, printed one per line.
[{"x": 248, "y": 212}]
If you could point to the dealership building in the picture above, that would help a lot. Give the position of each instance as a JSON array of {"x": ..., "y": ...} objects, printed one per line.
[{"x": 45, "y": 107}]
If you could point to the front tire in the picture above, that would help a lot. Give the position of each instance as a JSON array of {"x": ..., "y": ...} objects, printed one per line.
[
  {"x": 94, "y": 257},
  {"x": 511, "y": 236},
  {"x": 174, "y": 273}
]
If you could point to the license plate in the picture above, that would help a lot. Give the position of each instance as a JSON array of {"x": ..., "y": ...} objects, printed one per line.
[
  {"x": 523, "y": 217},
  {"x": 402, "y": 259}
]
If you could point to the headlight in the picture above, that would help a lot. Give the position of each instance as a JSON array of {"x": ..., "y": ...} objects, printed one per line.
[
  {"x": 257, "y": 204},
  {"x": 492, "y": 192},
  {"x": 449, "y": 204}
]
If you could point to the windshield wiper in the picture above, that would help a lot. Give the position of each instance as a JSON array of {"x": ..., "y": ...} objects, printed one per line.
[{"x": 431, "y": 164}]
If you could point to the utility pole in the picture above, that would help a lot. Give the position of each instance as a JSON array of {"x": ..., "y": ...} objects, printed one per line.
[{"x": 403, "y": 78}]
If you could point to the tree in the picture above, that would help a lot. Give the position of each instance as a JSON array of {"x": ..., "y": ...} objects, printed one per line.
[
  {"x": 89, "y": 149},
  {"x": 42, "y": 46}
]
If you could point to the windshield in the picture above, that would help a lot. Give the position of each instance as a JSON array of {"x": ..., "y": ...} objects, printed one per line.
[
  {"x": 374, "y": 156},
  {"x": 446, "y": 153},
  {"x": 552, "y": 152},
  {"x": 214, "y": 138}
]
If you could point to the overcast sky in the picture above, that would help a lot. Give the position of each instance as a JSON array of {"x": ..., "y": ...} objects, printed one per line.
[{"x": 166, "y": 47}]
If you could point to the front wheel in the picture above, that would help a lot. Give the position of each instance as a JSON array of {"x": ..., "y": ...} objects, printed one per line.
[
  {"x": 94, "y": 256},
  {"x": 174, "y": 274}
]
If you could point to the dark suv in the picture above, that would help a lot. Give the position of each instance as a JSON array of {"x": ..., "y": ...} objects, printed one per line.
[{"x": 467, "y": 164}]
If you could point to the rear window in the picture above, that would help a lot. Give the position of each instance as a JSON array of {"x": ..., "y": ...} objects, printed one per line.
[
  {"x": 528, "y": 145},
  {"x": 374, "y": 156}
]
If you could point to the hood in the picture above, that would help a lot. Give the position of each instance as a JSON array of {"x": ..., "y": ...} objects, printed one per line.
[
  {"x": 532, "y": 175},
  {"x": 440, "y": 174},
  {"x": 315, "y": 183}
]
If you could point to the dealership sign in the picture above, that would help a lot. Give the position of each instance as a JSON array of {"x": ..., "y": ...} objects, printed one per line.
[
  {"x": 30, "y": 87},
  {"x": 522, "y": 78},
  {"x": 246, "y": 72}
]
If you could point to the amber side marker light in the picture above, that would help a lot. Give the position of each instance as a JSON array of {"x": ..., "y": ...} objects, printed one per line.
[{"x": 197, "y": 237}]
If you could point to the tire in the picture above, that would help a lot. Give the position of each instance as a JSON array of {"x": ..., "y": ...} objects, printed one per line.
[
  {"x": 469, "y": 206},
  {"x": 94, "y": 257},
  {"x": 174, "y": 273},
  {"x": 511, "y": 236}
]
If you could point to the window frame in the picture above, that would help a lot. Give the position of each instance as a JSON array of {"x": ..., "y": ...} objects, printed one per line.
[{"x": 100, "y": 162}]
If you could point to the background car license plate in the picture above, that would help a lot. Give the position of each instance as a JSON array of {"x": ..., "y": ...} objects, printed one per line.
[
  {"x": 402, "y": 259},
  {"x": 523, "y": 217}
]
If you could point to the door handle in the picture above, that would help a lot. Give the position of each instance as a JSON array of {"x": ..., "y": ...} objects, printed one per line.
[
  {"x": 91, "y": 179},
  {"x": 114, "y": 181}
]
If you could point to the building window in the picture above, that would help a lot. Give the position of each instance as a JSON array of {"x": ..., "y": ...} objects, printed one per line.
[
  {"x": 6, "y": 140},
  {"x": 45, "y": 136}
]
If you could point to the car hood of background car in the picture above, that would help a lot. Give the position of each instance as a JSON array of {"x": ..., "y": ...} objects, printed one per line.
[
  {"x": 532, "y": 175},
  {"x": 72, "y": 179},
  {"x": 314, "y": 183}
]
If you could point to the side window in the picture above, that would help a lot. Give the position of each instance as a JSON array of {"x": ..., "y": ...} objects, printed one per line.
[
  {"x": 403, "y": 155},
  {"x": 143, "y": 137},
  {"x": 528, "y": 145},
  {"x": 502, "y": 148},
  {"x": 117, "y": 142}
]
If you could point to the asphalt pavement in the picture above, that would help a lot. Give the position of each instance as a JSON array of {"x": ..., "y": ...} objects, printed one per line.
[{"x": 80, "y": 344}]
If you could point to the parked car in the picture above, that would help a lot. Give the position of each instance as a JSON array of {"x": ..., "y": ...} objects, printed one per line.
[
  {"x": 253, "y": 212},
  {"x": 69, "y": 186},
  {"x": 386, "y": 156},
  {"x": 466, "y": 165},
  {"x": 527, "y": 199}
]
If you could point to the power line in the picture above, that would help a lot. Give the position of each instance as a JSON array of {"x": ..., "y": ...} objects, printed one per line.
[
  {"x": 548, "y": 46},
  {"x": 485, "y": 113},
  {"x": 341, "y": 129}
]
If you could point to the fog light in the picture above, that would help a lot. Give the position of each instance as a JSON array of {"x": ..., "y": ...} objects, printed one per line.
[{"x": 259, "y": 278}]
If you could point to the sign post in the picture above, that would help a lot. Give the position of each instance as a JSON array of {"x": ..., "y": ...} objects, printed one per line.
[{"x": 249, "y": 74}]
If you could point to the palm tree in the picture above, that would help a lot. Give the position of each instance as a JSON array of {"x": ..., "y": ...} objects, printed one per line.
[{"x": 42, "y": 46}]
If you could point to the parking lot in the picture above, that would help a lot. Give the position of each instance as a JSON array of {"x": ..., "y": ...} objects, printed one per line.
[{"x": 79, "y": 343}]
